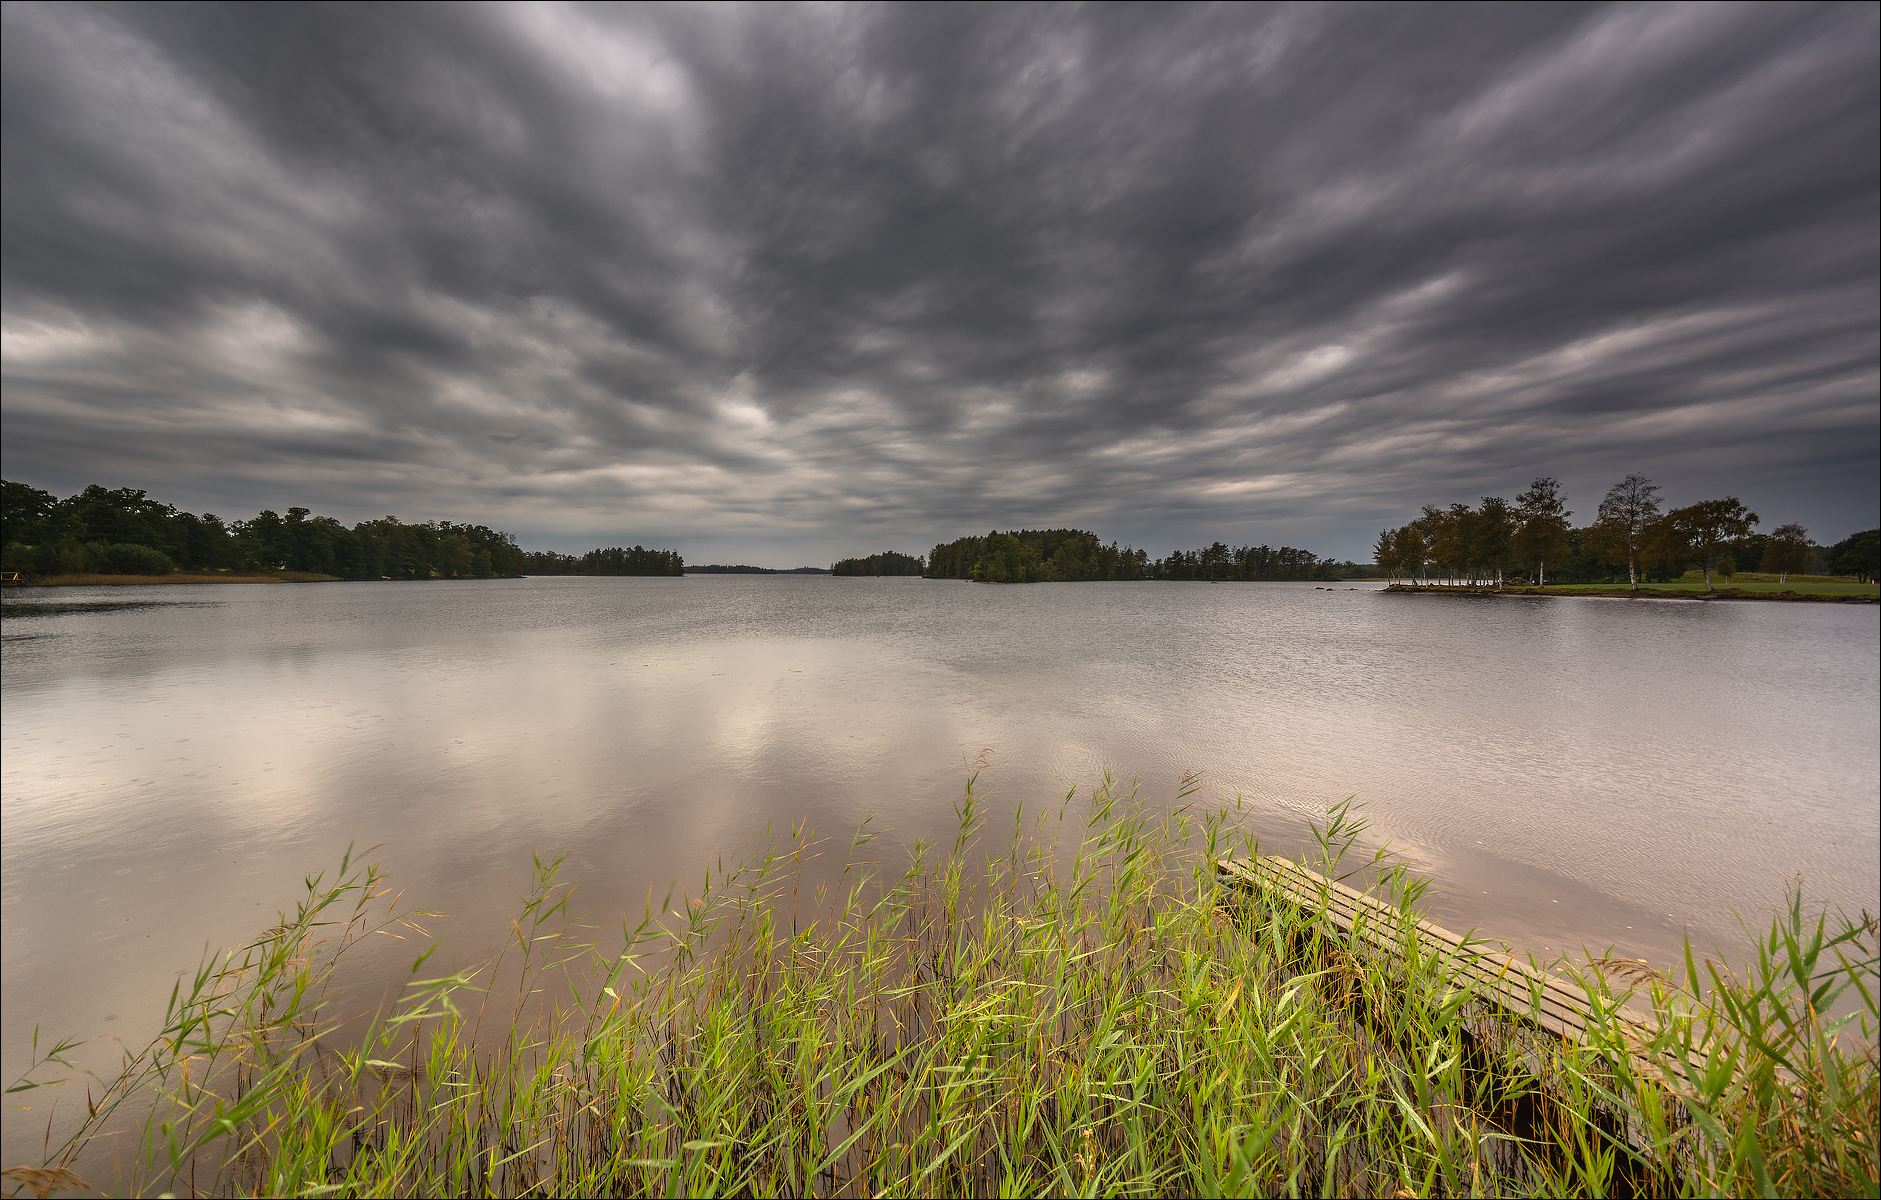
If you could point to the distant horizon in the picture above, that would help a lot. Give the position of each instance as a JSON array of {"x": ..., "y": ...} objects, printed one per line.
[{"x": 570, "y": 544}]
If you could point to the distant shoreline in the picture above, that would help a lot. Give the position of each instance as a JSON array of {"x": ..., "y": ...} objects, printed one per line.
[
  {"x": 1644, "y": 593},
  {"x": 1440, "y": 589},
  {"x": 179, "y": 577},
  {"x": 720, "y": 569}
]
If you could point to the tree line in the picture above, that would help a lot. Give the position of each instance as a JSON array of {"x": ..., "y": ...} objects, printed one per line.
[
  {"x": 1076, "y": 555},
  {"x": 1220, "y": 561},
  {"x": 1632, "y": 534},
  {"x": 888, "y": 562},
  {"x": 616, "y": 560},
  {"x": 122, "y": 531}
]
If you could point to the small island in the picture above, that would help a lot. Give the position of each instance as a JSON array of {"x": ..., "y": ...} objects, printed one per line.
[
  {"x": 1078, "y": 555},
  {"x": 888, "y": 562}
]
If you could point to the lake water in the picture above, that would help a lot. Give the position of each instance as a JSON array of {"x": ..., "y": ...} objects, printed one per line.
[{"x": 1571, "y": 771}]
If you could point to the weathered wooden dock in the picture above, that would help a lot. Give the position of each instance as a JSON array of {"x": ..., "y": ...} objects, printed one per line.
[
  {"x": 1518, "y": 989},
  {"x": 1515, "y": 1007}
]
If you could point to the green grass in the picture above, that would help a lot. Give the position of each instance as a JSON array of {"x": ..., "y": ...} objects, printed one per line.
[
  {"x": 1810, "y": 586},
  {"x": 1739, "y": 587},
  {"x": 1743, "y": 577},
  {"x": 1067, "y": 1007}
]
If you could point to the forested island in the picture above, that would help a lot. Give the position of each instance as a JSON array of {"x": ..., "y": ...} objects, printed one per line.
[
  {"x": 616, "y": 560},
  {"x": 1633, "y": 539},
  {"x": 888, "y": 562},
  {"x": 122, "y": 531},
  {"x": 722, "y": 569},
  {"x": 1076, "y": 555}
]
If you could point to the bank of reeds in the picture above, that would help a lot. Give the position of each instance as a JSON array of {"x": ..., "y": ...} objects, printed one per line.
[{"x": 1080, "y": 1012}]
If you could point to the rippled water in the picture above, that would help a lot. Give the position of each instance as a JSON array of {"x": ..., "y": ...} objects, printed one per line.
[{"x": 1607, "y": 772}]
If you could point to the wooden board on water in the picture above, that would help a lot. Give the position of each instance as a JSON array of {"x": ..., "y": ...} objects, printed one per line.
[
  {"x": 1523, "y": 992},
  {"x": 1521, "y": 997}
]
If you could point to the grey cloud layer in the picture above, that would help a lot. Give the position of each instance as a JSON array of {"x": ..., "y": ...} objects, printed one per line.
[{"x": 822, "y": 277}]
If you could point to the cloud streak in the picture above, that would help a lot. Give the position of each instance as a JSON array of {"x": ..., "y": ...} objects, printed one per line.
[{"x": 787, "y": 283}]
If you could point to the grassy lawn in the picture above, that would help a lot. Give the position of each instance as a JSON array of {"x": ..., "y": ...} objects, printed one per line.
[
  {"x": 1808, "y": 585},
  {"x": 1816, "y": 588}
]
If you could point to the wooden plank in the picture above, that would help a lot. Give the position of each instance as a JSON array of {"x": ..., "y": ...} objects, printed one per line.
[
  {"x": 1516, "y": 985},
  {"x": 1526, "y": 996},
  {"x": 1381, "y": 925},
  {"x": 1508, "y": 989},
  {"x": 1519, "y": 989}
]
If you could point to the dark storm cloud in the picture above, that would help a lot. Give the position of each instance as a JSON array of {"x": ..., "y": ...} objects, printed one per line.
[{"x": 790, "y": 278}]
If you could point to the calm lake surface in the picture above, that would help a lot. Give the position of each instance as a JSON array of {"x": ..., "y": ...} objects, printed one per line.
[{"x": 1571, "y": 771}]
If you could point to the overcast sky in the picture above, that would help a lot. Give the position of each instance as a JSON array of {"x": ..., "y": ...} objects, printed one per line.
[{"x": 778, "y": 284}]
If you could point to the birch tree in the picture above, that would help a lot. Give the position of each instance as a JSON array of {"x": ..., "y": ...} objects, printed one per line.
[
  {"x": 1629, "y": 510},
  {"x": 1787, "y": 552}
]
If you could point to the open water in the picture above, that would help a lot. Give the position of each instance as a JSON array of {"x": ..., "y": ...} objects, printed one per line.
[{"x": 1572, "y": 772}]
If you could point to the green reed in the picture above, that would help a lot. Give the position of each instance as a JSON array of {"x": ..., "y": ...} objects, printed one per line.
[{"x": 1079, "y": 1010}]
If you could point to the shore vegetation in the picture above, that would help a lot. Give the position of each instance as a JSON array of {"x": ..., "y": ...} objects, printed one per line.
[
  {"x": 1058, "y": 1003},
  {"x": 124, "y": 532},
  {"x": 1633, "y": 540},
  {"x": 888, "y": 562},
  {"x": 1077, "y": 556},
  {"x": 1692, "y": 586},
  {"x": 101, "y": 580},
  {"x": 615, "y": 560}
]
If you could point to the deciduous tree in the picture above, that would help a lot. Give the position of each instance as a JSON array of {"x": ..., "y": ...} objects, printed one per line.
[
  {"x": 1628, "y": 512},
  {"x": 1494, "y": 537},
  {"x": 1542, "y": 536},
  {"x": 1858, "y": 554},
  {"x": 1445, "y": 537},
  {"x": 1411, "y": 548},
  {"x": 1702, "y": 530},
  {"x": 1385, "y": 553},
  {"x": 1787, "y": 551},
  {"x": 25, "y": 514}
]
